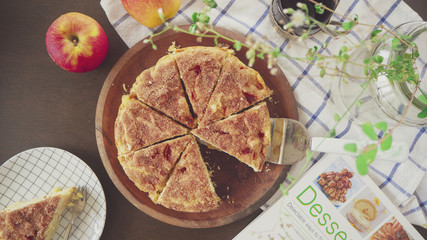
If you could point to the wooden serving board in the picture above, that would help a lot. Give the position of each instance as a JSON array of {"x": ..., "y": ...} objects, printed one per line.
[{"x": 241, "y": 189}]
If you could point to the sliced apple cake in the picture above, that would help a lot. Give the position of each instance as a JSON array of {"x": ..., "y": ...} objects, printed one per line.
[
  {"x": 36, "y": 219},
  {"x": 138, "y": 126},
  {"x": 245, "y": 135}
]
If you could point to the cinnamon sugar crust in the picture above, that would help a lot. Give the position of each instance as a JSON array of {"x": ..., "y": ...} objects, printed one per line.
[
  {"x": 189, "y": 188},
  {"x": 30, "y": 222},
  {"x": 36, "y": 219},
  {"x": 238, "y": 87},
  {"x": 160, "y": 87},
  {"x": 136, "y": 123},
  {"x": 199, "y": 68},
  {"x": 149, "y": 168},
  {"x": 245, "y": 136}
]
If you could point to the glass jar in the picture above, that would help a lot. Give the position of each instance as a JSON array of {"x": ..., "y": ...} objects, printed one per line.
[{"x": 383, "y": 99}]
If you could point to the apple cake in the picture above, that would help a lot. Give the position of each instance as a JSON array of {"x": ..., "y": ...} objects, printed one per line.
[
  {"x": 35, "y": 219},
  {"x": 160, "y": 87},
  {"x": 149, "y": 168},
  {"x": 136, "y": 123},
  {"x": 199, "y": 68},
  {"x": 199, "y": 86},
  {"x": 189, "y": 188},
  {"x": 238, "y": 87},
  {"x": 245, "y": 135}
]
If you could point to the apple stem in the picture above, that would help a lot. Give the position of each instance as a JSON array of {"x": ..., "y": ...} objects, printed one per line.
[{"x": 75, "y": 40}]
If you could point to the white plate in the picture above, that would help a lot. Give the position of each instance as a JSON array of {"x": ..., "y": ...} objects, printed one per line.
[{"x": 36, "y": 172}]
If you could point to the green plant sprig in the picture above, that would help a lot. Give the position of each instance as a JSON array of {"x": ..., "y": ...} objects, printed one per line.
[{"x": 399, "y": 70}]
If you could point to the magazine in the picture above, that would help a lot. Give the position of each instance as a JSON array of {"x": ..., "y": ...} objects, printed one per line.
[{"x": 332, "y": 201}]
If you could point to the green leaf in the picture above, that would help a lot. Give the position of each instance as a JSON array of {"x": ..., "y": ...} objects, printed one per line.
[
  {"x": 375, "y": 33},
  {"x": 319, "y": 9},
  {"x": 423, "y": 113},
  {"x": 260, "y": 55},
  {"x": 368, "y": 129},
  {"x": 210, "y": 3},
  {"x": 378, "y": 59},
  {"x": 362, "y": 165},
  {"x": 204, "y": 18},
  {"x": 337, "y": 117},
  {"x": 276, "y": 52},
  {"x": 423, "y": 99},
  {"x": 381, "y": 126},
  {"x": 331, "y": 133},
  {"x": 386, "y": 144},
  {"x": 348, "y": 25},
  {"x": 322, "y": 72},
  {"x": 192, "y": 28},
  {"x": 237, "y": 45},
  {"x": 216, "y": 41},
  {"x": 325, "y": 44},
  {"x": 396, "y": 45},
  {"x": 350, "y": 147},
  {"x": 195, "y": 17}
]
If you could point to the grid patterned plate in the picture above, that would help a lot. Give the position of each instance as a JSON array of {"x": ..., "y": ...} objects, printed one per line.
[{"x": 36, "y": 172}]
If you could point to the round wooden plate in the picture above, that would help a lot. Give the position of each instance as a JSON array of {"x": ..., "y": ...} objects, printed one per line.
[{"x": 241, "y": 189}]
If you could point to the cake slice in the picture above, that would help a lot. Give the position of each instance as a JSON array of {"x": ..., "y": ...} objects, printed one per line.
[
  {"x": 138, "y": 126},
  {"x": 199, "y": 68},
  {"x": 149, "y": 168},
  {"x": 245, "y": 135},
  {"x": 35, "y": 219},
  {"x": 189, "y": 188},
  {"x": 238, "y": 87},
  {"x": 160, "y": 87}
]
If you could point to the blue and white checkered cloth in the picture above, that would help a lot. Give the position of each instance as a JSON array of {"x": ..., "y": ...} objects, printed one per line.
[{"x": 404, "y": 183}]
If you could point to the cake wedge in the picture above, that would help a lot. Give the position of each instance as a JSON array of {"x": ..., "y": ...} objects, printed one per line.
[
  {"x": 36, "y": 219},
  {"x": 160, "y": 87},
  {"x": 245, "y": 135},
  {"x": 238, "y": 87},
  {"x": 199, "y": 68},
  {"x": 149, "y": 168},
  {"x": 189, "y": 188},
  {"x": 136, "y": 123}
]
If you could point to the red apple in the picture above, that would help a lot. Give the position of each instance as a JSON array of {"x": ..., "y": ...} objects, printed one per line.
[
  {"x": 146, "y": 11},
  {"x": 76, "y": 42}
]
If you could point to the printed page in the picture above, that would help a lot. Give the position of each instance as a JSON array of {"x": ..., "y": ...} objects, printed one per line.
[{"x": 332, "y": 201}]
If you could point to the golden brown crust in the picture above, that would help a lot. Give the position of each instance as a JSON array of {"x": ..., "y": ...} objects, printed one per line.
[
  {"x": 136, "y": 123},
  {"x": 245, "y": 136},
  {"x": 30, "y": 222},
  {"x": 190, "y": 189},
  {"x": 149, "y": 168},
  {"x": 160, "y": 87},
  {"x": 36, "y": 219},
  {"x": 238, "y": 87},
  {"x": 199, "y": 68}
]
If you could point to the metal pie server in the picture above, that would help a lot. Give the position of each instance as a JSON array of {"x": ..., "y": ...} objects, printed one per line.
[{"x": 290, "y": 140}]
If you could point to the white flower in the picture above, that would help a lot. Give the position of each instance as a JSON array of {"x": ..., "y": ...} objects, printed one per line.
[{"x": 298, "y": 18}]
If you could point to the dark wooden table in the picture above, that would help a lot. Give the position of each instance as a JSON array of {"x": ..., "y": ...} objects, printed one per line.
[{"x": 43, "y": 105}]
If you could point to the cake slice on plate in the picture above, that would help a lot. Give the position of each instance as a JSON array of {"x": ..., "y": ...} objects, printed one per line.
[
  {"x": 245, "y": 135},
  {"x": 199, "y": 68},
  {"x": 189, "y": 188},
  {"x": 138, "y": 126},
  {"x": 160, "y": 87},
  {"x": 238, "y": 87},
  {"x": 35, "y": 219},
  {"x": 149, "y": 168}
]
